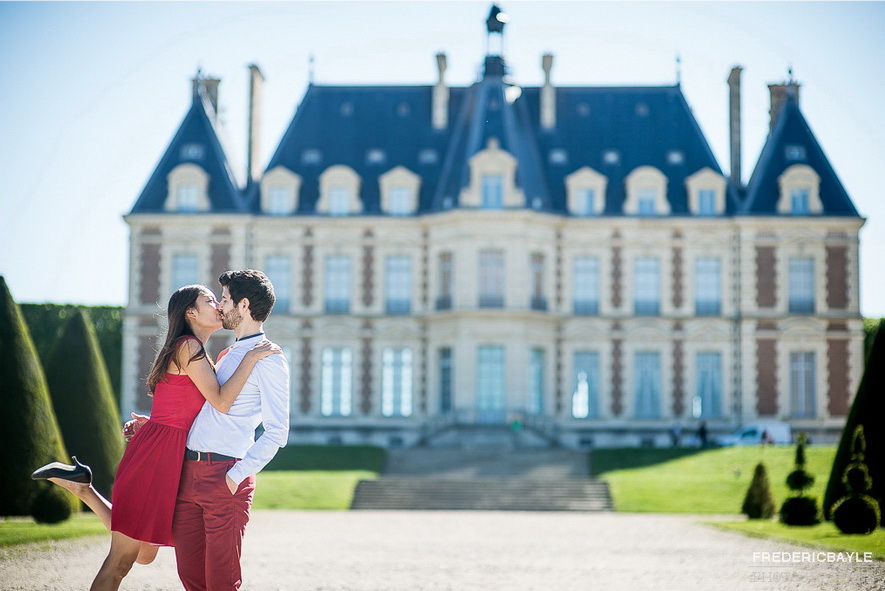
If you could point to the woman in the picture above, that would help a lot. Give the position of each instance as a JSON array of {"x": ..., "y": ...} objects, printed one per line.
[{"x": 181, "y": 380}]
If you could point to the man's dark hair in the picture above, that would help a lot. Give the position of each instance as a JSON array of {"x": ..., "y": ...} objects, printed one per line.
[{"x": 253, "y": 285}]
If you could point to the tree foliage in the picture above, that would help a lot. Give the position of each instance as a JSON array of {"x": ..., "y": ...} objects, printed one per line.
[
  {"x": 29, "y": 433},
  {"x": 84, "y": 402},
  {"x": 758, "y": 502},
  {"x": 47, "y": 321}
]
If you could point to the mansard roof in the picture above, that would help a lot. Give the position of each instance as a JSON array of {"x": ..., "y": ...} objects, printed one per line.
[
  {"x": 198, "y": 131},
  {"x": 642, "y": 125},
  {"x": 792, "y": 130}
]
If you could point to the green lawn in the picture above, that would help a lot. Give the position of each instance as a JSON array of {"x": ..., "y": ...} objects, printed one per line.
[
  {"x": 700, "y": 481},
  {"x": 291, "y": 489},
  {"x": 22, "y": 530},
  {"x": 824, "y": 536}
]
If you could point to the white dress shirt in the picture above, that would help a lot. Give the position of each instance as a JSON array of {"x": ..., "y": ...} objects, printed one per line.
[{"x": 263, "y": 400}]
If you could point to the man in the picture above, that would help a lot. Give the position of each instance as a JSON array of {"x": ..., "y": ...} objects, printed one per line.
[{"x": 223, "y": 456}]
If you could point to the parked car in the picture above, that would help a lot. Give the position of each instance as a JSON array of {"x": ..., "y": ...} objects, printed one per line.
[{"x": 777, "y": 432}]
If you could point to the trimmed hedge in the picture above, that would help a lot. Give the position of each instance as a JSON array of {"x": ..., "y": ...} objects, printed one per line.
[
  {"x": 868, "y": 410},
  {"x": 758, "y": 502},
  {"x": 47, "y": 321},
  {"x": 84, "y": 402},
  {"x": 29, "y": 433}
]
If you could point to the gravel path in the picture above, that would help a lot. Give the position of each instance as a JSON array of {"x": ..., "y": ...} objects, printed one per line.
[{"x": 466, "y": 551}]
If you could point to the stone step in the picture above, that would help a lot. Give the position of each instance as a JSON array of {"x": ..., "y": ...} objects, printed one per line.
[{"x": 493, "y": 494}]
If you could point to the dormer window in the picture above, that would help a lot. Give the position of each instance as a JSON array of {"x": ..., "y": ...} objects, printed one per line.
[
  {"x": 188, "y": 186},
  {"x": 428, "y": 156},
  {"x": 376, "y": 156},
  {"x": 399, "y": 191},
  {"x": 192, "y": 152},
  {"x": 188, "y": 197},
  {"x": 339, "y": 201},
  {"x": 675, "y": 157},
  {"x": 799, "y": 202},
  {"x": 611, "y": 157},
  {"x": 706, "y": 192},
  {"x": 311, "y": 156},
  {"x": 586, "y": 192},
  {"x": 795, "y": 153},
  {"x": 339, "y": 191},
  {"x": 492, "y": 191},
  {"x": 646, "y": 192},
  {"x": 492, "y": 180},
  {"x": 799, "y": 191},
  {"x": 279, "y": 191},
  {"x": 558, "y": 156}
]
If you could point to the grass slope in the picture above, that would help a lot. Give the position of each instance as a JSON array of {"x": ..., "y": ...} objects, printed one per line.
[
  {"x": 24, "y": 531},
  {"x": 824, "y": 536},
  {"x": 700, "y": 481}
]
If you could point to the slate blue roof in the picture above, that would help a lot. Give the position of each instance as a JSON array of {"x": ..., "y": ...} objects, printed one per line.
[
  {"x": 196, "y": 130},
  {"x": 642, "y": 124},
  {"x": 792, "y": 130}
]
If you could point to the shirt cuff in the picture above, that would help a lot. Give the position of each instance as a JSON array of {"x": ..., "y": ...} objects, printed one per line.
[{"x": 236, "y": 475}]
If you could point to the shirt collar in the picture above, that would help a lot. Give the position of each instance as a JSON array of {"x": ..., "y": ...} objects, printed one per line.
[{"x": 249, "y": 337}]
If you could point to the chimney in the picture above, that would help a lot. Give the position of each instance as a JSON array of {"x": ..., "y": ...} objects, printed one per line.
[
  {"x": 779, "y": 94},
  {"x": 548, "y": 94},
  {"x": 734, "y": 124},
  {"x": 256, "y": 88},
  {"x": 441, "y": 95},
  {"x": 207, "y": 89}
]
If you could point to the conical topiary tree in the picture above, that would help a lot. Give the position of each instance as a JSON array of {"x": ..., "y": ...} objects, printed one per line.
[
  {"x": 857, "y": 513},
  {"x": 758, "y": 502},
  {"x": 868, "y": 409},
  {"x": 84, "y": 401},
  {"x": 800, "y": 509},
  {"x": 29, "y": 433}
]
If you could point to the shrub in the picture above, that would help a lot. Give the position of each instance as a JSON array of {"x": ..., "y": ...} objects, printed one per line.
[
  {"x": 51, "y": 504},
  {"x": 868, "y": 409},
  {"x": 800, "y": 509},
  {"x": 758, "y": 502},
  {"x": 29, "y": 433},
  {"x": 858, "y": 512},
  {"x": 84, "y": 402}
]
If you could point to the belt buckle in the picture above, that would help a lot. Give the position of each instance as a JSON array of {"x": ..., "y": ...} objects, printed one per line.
[{"x": 200, "y": 455}]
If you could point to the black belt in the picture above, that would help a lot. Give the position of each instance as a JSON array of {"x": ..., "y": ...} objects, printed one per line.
[{"x": 207, "y": 456}]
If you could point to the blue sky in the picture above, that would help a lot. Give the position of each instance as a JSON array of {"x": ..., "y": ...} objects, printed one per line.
[{"x": 91, "y": 94}]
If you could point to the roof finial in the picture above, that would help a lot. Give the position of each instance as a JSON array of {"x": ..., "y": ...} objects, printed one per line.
[
  {"x": 678, "y": 69},
  {"x": 310, "y": 61}
]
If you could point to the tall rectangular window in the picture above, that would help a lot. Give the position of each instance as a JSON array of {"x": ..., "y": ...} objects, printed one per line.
[
  {"x": 707, "y": 403},
  {"x": 535, "y": 404},
  {"x": 278, "y": 202},
  {"x": 398, "y": 284},
  {"x": 279, "y": 270},
  {"x": 646, "y": 286},
  {"x": 539, "y": 302},
  {"x": 490, "y": 384},
  {"x": 492, "y": 191},
  {"x": 585, "y": 285},
  {"x": 400, "y": 201},
  {"x": 446, "y": 404},
  {"x": 491, "y": 279},
  {"x": 185, "y": 270},
  {"x": 337, "y": 284},
  {"x": 801, "y": 285},
  {"x": 799, "y": 204},
  {"x": 336, "y": 388},
  {"x": 585, "y": 385},
  {"x": 647, "y": 385},
  {"x": 706, "y": 202},
  {"x": 339, "y": 201},
  {"x": 707, "y": 286},
  {"x": 444, "y": 300},
  {"x": 585, "y": 205},
  {"x": 396, "y": 382},
  {"x": 645, "y": 200},
  {"x": 802, "y": 386},
  {"x": 188, "y": 197}
]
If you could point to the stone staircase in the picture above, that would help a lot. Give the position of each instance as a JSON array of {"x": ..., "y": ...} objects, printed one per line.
[{"x": 485, "y": 479}]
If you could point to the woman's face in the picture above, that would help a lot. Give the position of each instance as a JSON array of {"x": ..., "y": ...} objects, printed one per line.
[{"x": 207, "y": 311}]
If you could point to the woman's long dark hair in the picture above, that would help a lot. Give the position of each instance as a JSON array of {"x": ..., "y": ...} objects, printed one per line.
[{"x": 181, "y": 301}]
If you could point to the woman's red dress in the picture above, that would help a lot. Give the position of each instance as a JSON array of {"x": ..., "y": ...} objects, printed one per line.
[{"x": 147, "y": 479}]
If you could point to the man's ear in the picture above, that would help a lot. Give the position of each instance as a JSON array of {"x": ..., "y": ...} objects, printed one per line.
[{"x": 243, "y": 305}]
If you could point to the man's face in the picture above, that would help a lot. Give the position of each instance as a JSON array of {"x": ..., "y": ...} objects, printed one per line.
[{"x": 231, "y": 317}]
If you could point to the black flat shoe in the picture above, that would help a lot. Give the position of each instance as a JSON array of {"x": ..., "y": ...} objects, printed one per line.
[{"x": 77, "y": 473}]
